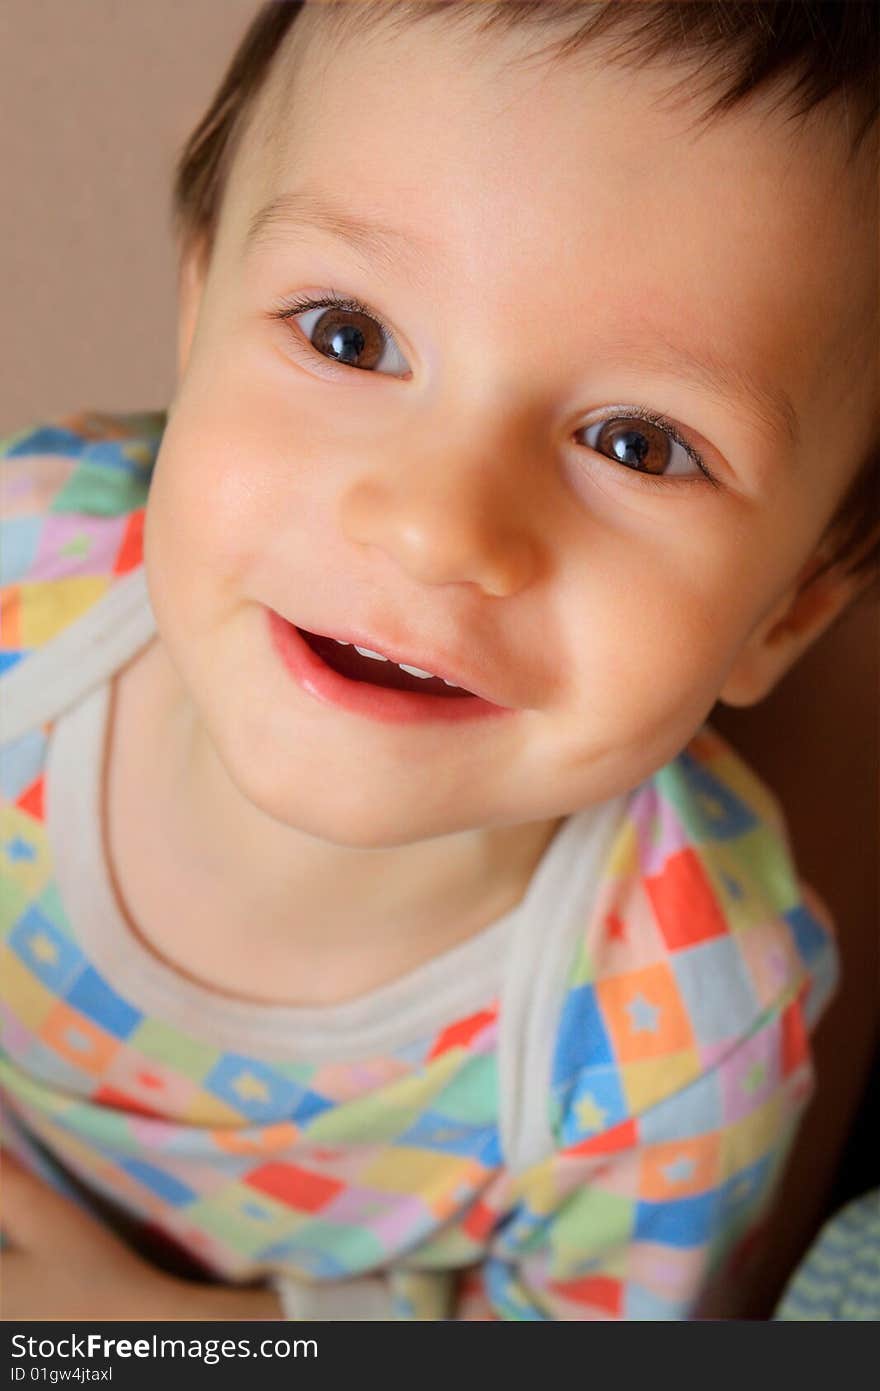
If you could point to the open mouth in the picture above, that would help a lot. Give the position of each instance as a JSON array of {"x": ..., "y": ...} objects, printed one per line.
[{"x": 357, "y": 665}]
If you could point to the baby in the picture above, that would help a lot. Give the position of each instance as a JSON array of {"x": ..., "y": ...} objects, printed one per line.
[{"x": 387, "y": 932}]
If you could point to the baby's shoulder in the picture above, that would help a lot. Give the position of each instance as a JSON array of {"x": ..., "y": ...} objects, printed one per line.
[
  {"x": 706, "y": 841},
  {"x": 702, "y": 934},
  {"x": 74, "y": 492}
]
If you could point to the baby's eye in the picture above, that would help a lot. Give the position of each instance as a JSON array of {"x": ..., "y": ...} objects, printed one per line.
[
  {"x": 345, "y": 331},
  {"x": 643, "y": 445}
]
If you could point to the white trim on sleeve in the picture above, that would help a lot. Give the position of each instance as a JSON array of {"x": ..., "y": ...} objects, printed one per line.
[
  {"x": 533, "y": 995},
  {"x": 78, "y": 659}
]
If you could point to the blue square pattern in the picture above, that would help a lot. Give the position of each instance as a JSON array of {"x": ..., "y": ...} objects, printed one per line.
[
  {"x": 19, "y": 540},
  {"x": 684, "y": 1222},
  {"x": 309, "y": 1106},
  {"x": 51, "y": 957},
  {"x": 810, "y": 936},
  {"x": 164, "y": 1185},
  {"x": 261, "y": 1093},
  {"x": 594, "y": 1104},
  {"x": 582, "y": 1040},
  {"x": 9, "y": 659},
  {"x": 22, "y": 763},
  {"x": 745, "y": 1190},
  {"x": 48, "y": 439},
  {"x": 716, "y": 990},
  {"x": 715, "y": 810},
  {"x": 434, "y": 1131},
  {"x": 92, "y": 996},
  {"x": 111, "y": 454}
]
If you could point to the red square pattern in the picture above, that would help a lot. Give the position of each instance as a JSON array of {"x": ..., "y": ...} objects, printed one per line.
[
  {"x": 296, "y": 1187},
  {"x": 121, "y": 1101},
  {"x": 795, "y": 1043},
  {"x": 459, "y": 1035},
  {"x": 597, "y": 1291},
  {"x": 684, "y": 902},
  {"x": 131, "y": 549},
  {"x": 479, "y": 1221},
  {"x": 620, "y": 1137}
]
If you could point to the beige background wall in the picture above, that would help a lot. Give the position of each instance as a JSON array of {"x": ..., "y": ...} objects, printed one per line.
[{"x": 97, "y": 98}]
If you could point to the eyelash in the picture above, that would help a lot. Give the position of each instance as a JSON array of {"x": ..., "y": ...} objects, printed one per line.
[
  {"x": 299, "y": 304},
  {"x": 651, "y": 417}
]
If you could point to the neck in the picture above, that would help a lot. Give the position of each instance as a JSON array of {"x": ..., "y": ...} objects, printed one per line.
[{"x": 297, "y": 893}]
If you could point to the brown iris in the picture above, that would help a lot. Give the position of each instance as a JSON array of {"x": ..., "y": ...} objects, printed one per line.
[
  {"x": 348, "y": 337},
  {"x": 637, "y": 444}
]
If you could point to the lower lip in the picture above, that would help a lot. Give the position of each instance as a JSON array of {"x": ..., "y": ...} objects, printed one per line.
[{"x": 359, "y": 697}]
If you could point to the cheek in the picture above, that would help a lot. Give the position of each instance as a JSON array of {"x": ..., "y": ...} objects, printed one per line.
[
  {"x": 657, "y": 642},
  {"x": 217, "y": 504},
  {"x": 672, "y": 595},
  {"x": 656, "y": 650}
]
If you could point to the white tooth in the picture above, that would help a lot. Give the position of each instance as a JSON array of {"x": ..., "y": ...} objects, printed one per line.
[
  {"x": 341, "y": 643},
  {"x": 451, "y": 683},
  {"x": 365, "y": 652},
  {"x": 415, "y": 671}
]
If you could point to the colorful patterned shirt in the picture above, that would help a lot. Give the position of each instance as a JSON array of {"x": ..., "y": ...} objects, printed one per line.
[{"x": 579, "y": 1113}]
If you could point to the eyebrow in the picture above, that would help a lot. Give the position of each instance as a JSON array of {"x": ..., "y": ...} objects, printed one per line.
[
  {"x": 301, "y": 210},
  {"x": 717, "y": 376},
  {"x": 389, "y": 248}
]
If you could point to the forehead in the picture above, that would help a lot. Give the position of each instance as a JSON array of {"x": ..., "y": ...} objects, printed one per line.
[{"x": 581, "y": 186}]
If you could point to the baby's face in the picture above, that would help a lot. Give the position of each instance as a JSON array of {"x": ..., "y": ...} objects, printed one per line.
[{"x": 576, "y": 284}]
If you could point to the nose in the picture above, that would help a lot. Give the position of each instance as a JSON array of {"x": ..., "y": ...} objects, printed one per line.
[{"x": 447, "y": 520}]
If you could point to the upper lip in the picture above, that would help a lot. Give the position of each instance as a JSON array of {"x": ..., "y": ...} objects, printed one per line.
[{"x": 437, "y": 664}]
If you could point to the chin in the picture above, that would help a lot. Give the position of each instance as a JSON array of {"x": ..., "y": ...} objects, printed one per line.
[{"x": 347, "y": 816}]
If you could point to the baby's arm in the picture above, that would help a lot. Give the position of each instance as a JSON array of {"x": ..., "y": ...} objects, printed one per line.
[{"x": 58, "y": 1262}]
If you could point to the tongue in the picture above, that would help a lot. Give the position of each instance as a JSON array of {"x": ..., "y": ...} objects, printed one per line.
[{"x": 347, "y": 661}]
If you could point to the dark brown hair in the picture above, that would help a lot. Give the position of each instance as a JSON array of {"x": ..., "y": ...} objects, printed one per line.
[{"x": 814, "y": 50}]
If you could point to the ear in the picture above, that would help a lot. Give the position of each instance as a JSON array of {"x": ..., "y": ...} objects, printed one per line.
[
  {"x": 192, "y": 271},
  {"x": 810, "y": 606}
]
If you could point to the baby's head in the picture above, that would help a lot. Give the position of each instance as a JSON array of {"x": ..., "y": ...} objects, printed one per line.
[{"x": 597, "y": 432}]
